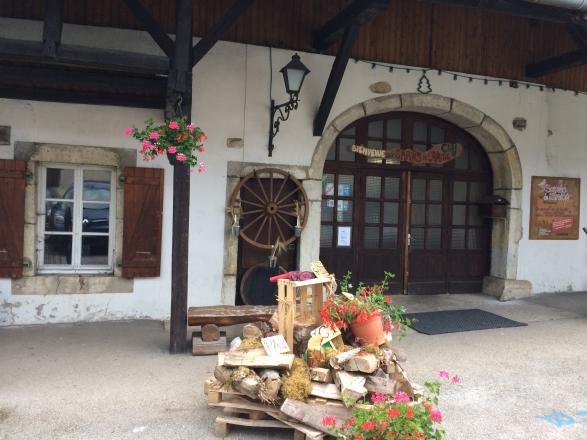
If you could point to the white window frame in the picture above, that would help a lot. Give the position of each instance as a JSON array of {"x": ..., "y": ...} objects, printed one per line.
[{"x": 76, "y": 267}]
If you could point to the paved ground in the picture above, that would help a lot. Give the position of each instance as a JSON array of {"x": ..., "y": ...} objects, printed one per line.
[{"x": 116, "y": 380}]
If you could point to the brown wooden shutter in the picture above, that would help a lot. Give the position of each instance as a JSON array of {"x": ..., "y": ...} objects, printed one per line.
[
  {"x": 12, "y": 183},
  {"x": 143, "y": 216}
]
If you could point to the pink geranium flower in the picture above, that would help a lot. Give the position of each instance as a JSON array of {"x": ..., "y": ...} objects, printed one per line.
[
  {"x": 378, "y": 397},
  {"x": 154, "y": 135},
  {"x": 202, "y": 138},
  {"x": 443, "y": 373},
  {"x": 456, "y": 379},
  {"x": 127, "y": 131},
  {"x": 174, "y": 125},
  {"x": 201, "y": 167},
  {"x": 401, "y": 397},
  {"x": 201, "y": 149},
  {"x": 181, "y": 157},
  {"x": 329, "y": 421},
  {"x": 147, "y": 144},
  {"x": 172, "y": 149},
  {"x": 436, "y": 416},
  {"x": 191, "y": 126}
]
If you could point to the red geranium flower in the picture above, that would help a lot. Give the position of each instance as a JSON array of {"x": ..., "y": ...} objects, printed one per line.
[
  {"x": 409, "y": 414},
  {"x": 393, "y": 412},
  {"x": 388, "y": 299},
  {"x": 368, "y": 425}
]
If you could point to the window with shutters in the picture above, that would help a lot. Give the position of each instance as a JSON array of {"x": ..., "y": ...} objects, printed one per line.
[{"x": 78, "y": 206}]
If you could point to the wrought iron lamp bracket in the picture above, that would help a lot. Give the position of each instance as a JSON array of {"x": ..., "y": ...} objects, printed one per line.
[{"x": 280, "y": 113}]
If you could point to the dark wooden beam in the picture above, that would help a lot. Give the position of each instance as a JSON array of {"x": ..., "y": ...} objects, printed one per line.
[
  {"x": 151, "y": 25},
  {"x": 203, "y": 46},
  {"x": 52, "y": 27},
  {"x": 42, "y": 83},
  {"x": 556, "y": 64},
  {"x": 358, "y": 13},
  {"x": 521, "y": 9},
  {"x": 179, "y": 103},
  {"x": 27, "y": 52},
  {"x": 335, "y": 78},
  {"x": 579, "y": 35}
]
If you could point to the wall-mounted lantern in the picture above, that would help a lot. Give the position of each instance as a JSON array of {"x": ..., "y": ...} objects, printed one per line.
[
  {"x": 493, "y": 206},
  {"x": 298, "y": 227},
  {"x": 235, "y": 214},
  {"x": 294, "y": 74}
]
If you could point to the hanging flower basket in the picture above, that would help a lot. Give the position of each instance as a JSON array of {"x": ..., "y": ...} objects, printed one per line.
[{"x": 179, "y": 139}]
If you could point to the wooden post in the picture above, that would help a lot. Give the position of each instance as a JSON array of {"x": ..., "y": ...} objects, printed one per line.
[
  {"x": 52, "y": 27},
  {"x": 178, "y": 103}
]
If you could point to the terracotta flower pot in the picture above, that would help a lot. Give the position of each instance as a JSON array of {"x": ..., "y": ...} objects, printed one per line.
[{"x": 371, "y": 331}]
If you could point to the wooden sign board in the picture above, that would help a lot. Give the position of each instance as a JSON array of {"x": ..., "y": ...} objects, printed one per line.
[
  {"x": 437, "y": 154},
  {"x": 554, "y": 208},
  {"x": 275, "y": 345}
]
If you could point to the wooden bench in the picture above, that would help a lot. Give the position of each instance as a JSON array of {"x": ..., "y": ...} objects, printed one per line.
[{"x": 211, "y": 317}]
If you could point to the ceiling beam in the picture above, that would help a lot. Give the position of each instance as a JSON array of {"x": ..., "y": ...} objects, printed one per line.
[
  {"x": 335, "y": 78},
  {"x": 566, "y": 60},
  {"x": 151, "y": 25},
  {"x": 52, "y": 27},
  {"x": 357, "y": 13},
  {"x": 31, "y": 52},
  {"x": 521, "y": 9},
  {"x": 556, "y": 64},
  {"x": 203, "y": 46}
]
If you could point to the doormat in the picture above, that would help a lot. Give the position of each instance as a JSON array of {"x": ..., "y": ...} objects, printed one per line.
[{"x": 454, "y": 321}]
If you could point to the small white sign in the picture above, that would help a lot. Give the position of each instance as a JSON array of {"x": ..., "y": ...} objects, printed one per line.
[
  {"x": 326, "y": 333},
  {"x": 275, "y": 345},
  {"x": 344, "y": 236}
]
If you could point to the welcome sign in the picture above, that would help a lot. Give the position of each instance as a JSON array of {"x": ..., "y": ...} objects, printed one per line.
[{"x": 437, "y": 154}]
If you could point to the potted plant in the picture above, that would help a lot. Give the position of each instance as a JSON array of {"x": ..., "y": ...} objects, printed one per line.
[
  {"x": 367, "y": 312},
  {"x": 179, "y": 139},
  {"x": 394, "y": 417}
]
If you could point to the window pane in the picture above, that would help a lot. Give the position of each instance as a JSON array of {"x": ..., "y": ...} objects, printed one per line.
[
  {"x": 436, "y": 135},
  {"x": 371, "y": 239},
  {"x": 435, "y": 190},
  {"x": 458, "y": 214},
  {"x": 57, "y": 249},
  {"x": 390, "y": 212},
  {"x": 372, "y": 212},
  {"x": 391, "y": 188},
  {"x": 96, "y": 217},
  {"x": 376, "y": 145},
  {"x": 345, "y": 185},
  {"x": 462, "y": 161},
  {"x": 348, "y": 132},
  {"x": 325, "y": 236},
  {"x": 331, "y": 153},
  {"x": 373, "y": 187},
  {"x": 459, "y": 192},
  {"x": 327, "y": 210},
  {"x": 433, "y": 239},
  {"x": 59, "y": 183},
  {"x": 418, "y": 213},
  {"x": 328, "y": 184},
  {"x": 434, "y": 214},
  {"x": 420, "y": 132},
  {"x": 344, "y": 150},
  {"x": 394, "y": 129},
  {"x": 418, "y": 189},
  {"x": 375, "y": 129},
  {"x": 457, "y": 239},
  {"x": 417, "y": 238},
  {"x": 344, "y": 211},
  {"x": 58, "y": 216},
  {"x": 389, "y": 238},
  {"x": 476, "y": 161},
  {"x": 474, "y": 217},
  {"x": 94, "y": 250},
  {"x": 475, "y": 192},
  {"x": 474, "y": 239},
  {"x": 96, "y": 186}
]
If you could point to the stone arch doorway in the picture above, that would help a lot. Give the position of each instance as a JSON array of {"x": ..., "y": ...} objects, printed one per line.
[{"x": 502, "y": 281}]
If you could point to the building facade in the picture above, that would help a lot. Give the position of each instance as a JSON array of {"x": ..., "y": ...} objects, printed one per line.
[{"x": 356, "y": 216}]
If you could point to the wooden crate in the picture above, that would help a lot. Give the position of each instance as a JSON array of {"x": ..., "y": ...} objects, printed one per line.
[{"x": 301, "y": 299}]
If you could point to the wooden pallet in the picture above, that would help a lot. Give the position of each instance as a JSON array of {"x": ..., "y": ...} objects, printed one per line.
[{"x": 241, "y": 411}]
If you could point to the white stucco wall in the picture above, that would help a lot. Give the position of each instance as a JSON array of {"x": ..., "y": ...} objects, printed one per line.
[{"x": 231, "y": 100}]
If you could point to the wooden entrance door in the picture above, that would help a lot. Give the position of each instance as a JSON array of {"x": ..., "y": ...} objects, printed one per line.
[{"x": 420, "y": 222}]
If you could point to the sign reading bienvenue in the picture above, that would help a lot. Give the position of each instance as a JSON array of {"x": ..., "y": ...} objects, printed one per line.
[{"x": 438, "y": 153}]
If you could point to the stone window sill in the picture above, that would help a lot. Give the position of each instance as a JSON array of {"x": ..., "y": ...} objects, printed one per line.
[{"x": 71, "y": 284}]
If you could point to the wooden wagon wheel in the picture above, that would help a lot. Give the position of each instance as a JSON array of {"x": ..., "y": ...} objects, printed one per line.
[{"x": 270, "y": 200}]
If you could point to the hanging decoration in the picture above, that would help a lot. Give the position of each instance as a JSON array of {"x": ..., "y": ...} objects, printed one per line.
[{"x": 424, "y": 85}]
